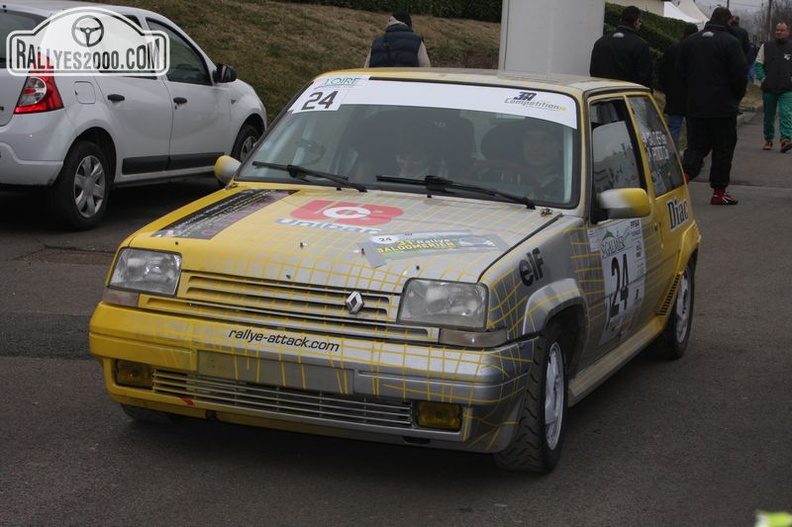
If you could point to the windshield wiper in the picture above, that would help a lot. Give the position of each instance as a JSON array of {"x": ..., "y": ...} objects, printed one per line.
[
  {"x": 302, "y": 173},
  {"x": 439, "y": 184}
]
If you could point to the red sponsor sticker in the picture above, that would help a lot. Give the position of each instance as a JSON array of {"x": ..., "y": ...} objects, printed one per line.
[{"x": 347, "y": 212}]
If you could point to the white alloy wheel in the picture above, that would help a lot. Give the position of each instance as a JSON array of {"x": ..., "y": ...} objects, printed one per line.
[
  {"x": 89, "y": 186},
  {"x": 554, "y": 395}
]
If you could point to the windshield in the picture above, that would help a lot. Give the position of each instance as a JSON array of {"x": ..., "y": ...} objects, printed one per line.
[{"x": 513, "y": 141}]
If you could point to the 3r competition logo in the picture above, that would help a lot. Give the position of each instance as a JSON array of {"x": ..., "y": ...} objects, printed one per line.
[{"x": 87, "y": 40}]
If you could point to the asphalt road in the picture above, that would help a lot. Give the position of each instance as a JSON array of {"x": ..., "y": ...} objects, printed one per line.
[{"x": 703, "y": 441}]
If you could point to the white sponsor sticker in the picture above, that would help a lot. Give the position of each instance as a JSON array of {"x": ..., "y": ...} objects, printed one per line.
[
  {"x": 329, "y": 93},
  {"x": 621, "y": 246}
]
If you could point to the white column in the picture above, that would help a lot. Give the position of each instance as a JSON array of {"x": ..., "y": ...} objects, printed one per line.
[{"x": 550, "y": 36}]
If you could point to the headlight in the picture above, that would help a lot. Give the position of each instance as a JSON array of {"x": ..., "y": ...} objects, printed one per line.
[
  {"x": 439, "y": 303},
  {"x": 147, "y": 271}
]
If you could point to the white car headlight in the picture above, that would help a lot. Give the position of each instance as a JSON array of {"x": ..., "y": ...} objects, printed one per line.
[
  {"x": 438, "y": 303},
  {"x": 147, "y": 271}
]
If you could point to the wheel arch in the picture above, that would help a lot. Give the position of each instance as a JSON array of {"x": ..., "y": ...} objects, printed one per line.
[
  {"x": 101, "y": 138},
  {"x": 256, "y": 121},
  {"x": 562, "y": 302}
]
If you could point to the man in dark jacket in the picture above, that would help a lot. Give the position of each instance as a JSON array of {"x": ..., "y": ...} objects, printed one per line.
[
  {"x": 623, "y": 54},
  {"x": 399, "y": 46},
  {"x": 741, "y": 33},
  {"x": 773, "y": 67},
  {"x": 711, "y": 66},
  {"x": 672, "y": 87}
]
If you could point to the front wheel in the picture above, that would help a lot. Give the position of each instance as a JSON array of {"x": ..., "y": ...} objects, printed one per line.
[
  {"x": 245, "y": 141},
  {"x": 536, "y": 445},
  {"x": 80, "y": 194}
]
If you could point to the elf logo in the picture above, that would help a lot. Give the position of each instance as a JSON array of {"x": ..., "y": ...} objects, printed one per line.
[
  {"x": 677, "y": 213},
  {"x": 347, "y": 212},
  {"x": 531, "y": 267}
]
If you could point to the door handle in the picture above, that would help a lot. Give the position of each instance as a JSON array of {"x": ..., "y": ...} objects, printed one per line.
[
  {"x": 115, "y": 97},
  {"x": 179, "y": 100}
]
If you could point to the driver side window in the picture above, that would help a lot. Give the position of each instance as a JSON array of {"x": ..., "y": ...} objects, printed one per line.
[{"x": 186, "y": 64}]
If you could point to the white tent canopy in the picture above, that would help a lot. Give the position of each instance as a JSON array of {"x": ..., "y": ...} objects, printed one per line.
[
  {"x": 672, "y": 11},
  {"x": 690, "y": 9}
]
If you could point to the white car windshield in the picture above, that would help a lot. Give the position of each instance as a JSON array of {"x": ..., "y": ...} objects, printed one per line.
[{"x": 371, "y": 131}]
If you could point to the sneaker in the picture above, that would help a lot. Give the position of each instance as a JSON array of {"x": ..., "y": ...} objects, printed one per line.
[
  {"x": 720, "y": 197},
  {"x": 786, "y": 144},
  {"x": 768, "y": 145}
]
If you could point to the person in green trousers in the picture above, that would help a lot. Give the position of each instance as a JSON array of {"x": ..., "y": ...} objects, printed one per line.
[{"x": 773, "y": 67}]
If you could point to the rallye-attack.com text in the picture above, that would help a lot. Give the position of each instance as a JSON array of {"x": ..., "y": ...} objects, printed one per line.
[{"x": 285, "y": 340}]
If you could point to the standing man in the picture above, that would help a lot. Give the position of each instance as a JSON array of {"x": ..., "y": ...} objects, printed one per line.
[
  {"x": 773, "y": 67},
  {"x": 711, "y": 66},
  {"x": 741, "y": 33},
  {"x": 672, "y": 87},
  {"x": 623, "y": 54},
  {"x": 399, "y": 46}
]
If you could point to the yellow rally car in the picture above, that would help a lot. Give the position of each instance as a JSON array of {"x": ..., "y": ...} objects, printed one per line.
[{"x": 444, "y": 258}]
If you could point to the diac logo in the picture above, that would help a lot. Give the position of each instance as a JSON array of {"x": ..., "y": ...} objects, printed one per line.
[
  {"x": 347, "y": 213},
  {"x": 86, "y": 41}
]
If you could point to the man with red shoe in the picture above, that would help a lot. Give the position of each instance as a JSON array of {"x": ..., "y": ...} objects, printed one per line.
[{"x": 711, "y": 67}]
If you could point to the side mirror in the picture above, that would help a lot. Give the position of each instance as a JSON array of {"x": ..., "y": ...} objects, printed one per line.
[
  {"x": 224, "y": 73},
  {"x": 225, "y": 168},
  {"x": 624, "y": 203}
]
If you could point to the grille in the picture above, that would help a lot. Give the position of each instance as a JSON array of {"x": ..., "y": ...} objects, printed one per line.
[
  {"x": 274, "y": 401},
  {"x": 276, "y": 297}
]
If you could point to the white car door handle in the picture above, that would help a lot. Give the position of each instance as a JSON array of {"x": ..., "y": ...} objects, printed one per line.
[
  {"x": 179, "y": 100},
  {"x": 115, "y": 97}
]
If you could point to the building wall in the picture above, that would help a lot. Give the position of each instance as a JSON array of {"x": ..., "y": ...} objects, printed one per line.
[{"x": 550, "y": 36}]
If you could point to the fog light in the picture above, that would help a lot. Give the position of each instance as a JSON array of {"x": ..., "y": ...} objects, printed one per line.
[
  {"x": 128, "y": 373},
  {"x": 439, "y": 415}
]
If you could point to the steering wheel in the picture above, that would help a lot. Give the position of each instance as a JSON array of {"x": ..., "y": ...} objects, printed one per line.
[{"x": 494, "y": 170}]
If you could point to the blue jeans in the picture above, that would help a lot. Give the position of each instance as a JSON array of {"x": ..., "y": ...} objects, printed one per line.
[{"x": 675, "y": 127}]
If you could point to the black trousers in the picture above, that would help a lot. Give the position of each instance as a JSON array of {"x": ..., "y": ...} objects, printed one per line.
[{"x": 717, "y": 135}]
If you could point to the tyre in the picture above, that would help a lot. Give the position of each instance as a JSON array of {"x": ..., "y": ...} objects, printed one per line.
[
  {"x": 536, "y": 445},
  {"x": 673, "y": 341},
  {"x": 245, "y": 141},
  {"x": 144, "y": 415},
  {"x": 79, "y": 197}
]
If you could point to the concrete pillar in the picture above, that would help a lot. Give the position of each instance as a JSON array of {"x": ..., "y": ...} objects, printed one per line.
[{"x": 550, "y": 36}]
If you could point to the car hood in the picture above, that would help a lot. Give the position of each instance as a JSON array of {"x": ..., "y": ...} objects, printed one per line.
[{"x": 321, "y": 235}]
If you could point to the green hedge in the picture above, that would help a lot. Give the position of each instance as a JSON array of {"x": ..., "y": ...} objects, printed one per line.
[{"x": 486, "y": 10}]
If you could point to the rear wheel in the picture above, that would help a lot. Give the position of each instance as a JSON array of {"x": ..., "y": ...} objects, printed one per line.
[
  {"x": 80, "y": 194},
  {"x": 672, "y": 343},
  {"x": 536, "y": 445}
]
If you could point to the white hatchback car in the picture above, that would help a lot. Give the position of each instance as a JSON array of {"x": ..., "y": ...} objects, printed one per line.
[{"x": 79, "y": 136}]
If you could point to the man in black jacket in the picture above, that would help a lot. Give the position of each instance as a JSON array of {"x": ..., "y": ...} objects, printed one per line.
[
  {"x": 672, "y": 87},
  {"x": 623, "y": 54},
  {"x": 774, "y": 68},
  {"x": 399, "y": 46},
  {"x": 711, "y": 66}
]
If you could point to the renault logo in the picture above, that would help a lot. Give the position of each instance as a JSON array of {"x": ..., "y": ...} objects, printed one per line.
[{"x": 354, "y": 303}]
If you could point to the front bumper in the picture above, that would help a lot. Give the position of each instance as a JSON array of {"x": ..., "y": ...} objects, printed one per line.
[{"x": 346, "y": 387}]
